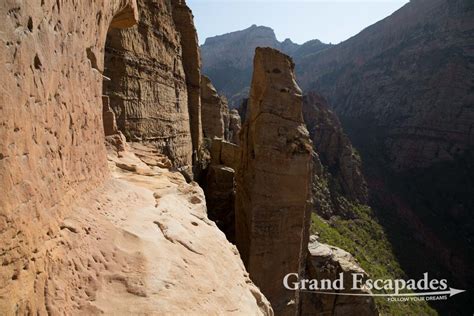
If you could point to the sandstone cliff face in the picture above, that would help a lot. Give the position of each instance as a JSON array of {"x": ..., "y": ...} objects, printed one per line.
[
  {"x": 147, "y": 83},
  {"x": 52, "y": 139},
  {"x": 183, "y": 20},
  {"x": 214, "y": 111},
  {"x": 273, "y": 180},
  {"x": 327, "y": 262}
]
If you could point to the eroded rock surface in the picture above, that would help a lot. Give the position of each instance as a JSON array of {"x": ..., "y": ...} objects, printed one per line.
[
  {"x": 147, "y": 82},
  {"x": 140, "y": 244},
  {"x": 219, "y": 185},
  {"x": 183, "y": 20},
  {"x": 214, "y": 111},
  {"x": 273, "y": 180},
  {"x": 52, "y": 137},
  {"x": 327, "y": 262}
]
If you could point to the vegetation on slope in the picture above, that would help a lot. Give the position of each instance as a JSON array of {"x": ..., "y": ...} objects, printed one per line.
[{"x": 365, "y": 239}]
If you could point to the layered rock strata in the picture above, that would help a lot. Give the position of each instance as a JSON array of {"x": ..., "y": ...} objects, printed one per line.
[
  {"x": 403, "y": 86},
  {"x": 183, "y": 21},
  {"x": 273, "y": 180},
  {"x": 146, "y": 82}
]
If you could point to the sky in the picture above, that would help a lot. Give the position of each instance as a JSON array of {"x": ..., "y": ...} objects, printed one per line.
[{"x": 330, "y": 21}]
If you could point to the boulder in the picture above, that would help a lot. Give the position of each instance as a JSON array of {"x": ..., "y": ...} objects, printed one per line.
[{"x": 327, "y": 262}]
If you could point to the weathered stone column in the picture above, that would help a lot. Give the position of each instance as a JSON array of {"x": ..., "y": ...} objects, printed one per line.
[
  {"x": 214, "y": 111},
  {"x": 274, "y": 180}
]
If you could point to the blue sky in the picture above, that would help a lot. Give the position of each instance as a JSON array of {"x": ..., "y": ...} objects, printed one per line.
[{"x": 301, "y": 20}]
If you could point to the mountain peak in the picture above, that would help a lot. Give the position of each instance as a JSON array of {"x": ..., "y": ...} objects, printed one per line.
[{"x": 253, "y": 30}]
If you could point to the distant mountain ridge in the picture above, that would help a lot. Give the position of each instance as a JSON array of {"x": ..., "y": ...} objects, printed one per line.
[{"x": 227, "y": 59}]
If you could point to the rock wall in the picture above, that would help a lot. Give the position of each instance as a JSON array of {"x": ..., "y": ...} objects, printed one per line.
[
  {"x": 52, "y": 138},
  {"x": 219, "y": 185},
  {"x": 183, "y": 20},
  {"x": 217, "y": 120},
  {"x": 147, "y": 83},
  {"x": 273, "y": 180},
  {"x": 235, "y": 125},
  {"x": 214, "y": 111}
]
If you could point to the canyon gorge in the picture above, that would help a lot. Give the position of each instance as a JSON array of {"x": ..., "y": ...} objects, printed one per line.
[
  {"x": 144, "y": 174},
  {"x": 402, "y": 90}
]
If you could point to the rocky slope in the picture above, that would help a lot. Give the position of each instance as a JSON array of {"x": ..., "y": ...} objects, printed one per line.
[
  {"x": 407, "y": 78},
  {"x": 136, "y": 245},
  {"x": 338, "y": 178},
  {"x": 233, "y": 53}
]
